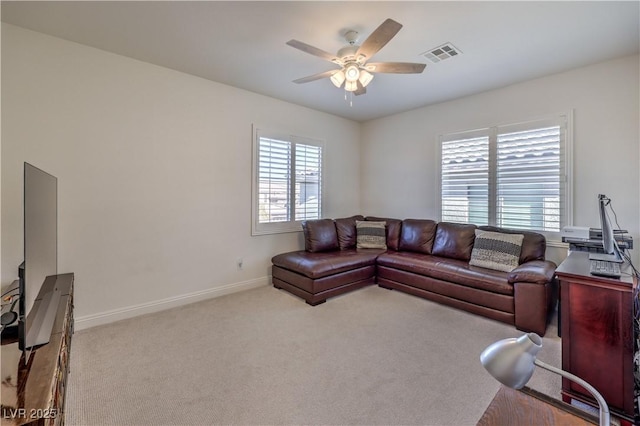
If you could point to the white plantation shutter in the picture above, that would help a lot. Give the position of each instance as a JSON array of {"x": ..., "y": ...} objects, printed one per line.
[
  {"x": 287, "y": 180},
  {"x": 307, "y": 181},
  {"x": 465, "y": 180},
  {"x": 530, "y": 178},
  {"x": 512, "y": 176},
  {"x": 274, "y": 172}
]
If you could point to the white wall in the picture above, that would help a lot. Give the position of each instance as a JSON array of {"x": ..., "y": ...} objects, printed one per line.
[
  {"x": 154, "y": 173},
  {"x": 399, "y": 153},
  {"x": 154, "y": 166},
  {"x": 1, "y": 146}
]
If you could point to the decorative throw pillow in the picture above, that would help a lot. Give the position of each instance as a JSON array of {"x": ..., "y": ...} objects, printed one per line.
[
  {"x": 393, "y": 230},
  {"x": 496, "y": 250},
  {"x": 371, "y": 234}
]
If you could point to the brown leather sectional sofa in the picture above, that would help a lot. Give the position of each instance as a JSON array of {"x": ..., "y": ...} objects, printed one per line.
[{"x": 426, "y": 259}]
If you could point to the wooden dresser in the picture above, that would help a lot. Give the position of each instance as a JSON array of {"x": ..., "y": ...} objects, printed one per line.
[
  {"x": 597, "y": 334},
  {"x": 34, "y": 394}
]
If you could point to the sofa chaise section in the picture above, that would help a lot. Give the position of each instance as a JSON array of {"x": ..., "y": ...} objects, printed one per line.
[
  {"x": 329, "y": 265},
  {"x": 317, "y": 276}
]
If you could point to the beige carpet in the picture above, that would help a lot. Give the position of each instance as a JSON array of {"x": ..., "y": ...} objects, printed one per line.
[{"x": 263, "y": 356}]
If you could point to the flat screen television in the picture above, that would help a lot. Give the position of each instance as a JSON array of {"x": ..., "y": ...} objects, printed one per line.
[
  {"x": 611, "y": 252},
  {"x": 37, "y": 306}
]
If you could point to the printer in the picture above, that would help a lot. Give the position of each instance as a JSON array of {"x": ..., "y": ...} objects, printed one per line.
[
  {"x": 582, "y": 238},
  {"x": 576, "y": 232}
]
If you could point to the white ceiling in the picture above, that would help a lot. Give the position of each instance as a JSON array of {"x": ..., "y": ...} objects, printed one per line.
[{"x": 242, "y": 43}]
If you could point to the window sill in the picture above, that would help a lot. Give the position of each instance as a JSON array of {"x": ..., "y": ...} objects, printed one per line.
[
  {"x": 558, "y": 244},
  {"x": 270, "y": 228}
]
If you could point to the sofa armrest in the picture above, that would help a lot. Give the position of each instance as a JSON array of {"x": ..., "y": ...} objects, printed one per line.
[{"x": 535, "y": 271}]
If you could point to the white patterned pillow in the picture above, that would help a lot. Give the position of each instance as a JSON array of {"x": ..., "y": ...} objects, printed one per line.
[
  {"x": 371, "y": 234},
  {"x": 496, "y": 250}
]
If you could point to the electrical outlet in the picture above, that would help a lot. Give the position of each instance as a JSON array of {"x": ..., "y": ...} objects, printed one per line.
[{"x": 240, "y": 263}]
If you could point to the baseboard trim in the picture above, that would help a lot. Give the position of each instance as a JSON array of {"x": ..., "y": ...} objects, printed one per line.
[{"x": 107, "y": 317}]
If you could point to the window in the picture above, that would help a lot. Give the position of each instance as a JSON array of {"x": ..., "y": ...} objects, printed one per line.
[
  {"x": 287, "y": 181},
  {"x": 513, "y": 176}
]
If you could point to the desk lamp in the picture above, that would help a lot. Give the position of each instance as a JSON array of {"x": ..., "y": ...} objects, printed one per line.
[{"x": 512, "y": 361}]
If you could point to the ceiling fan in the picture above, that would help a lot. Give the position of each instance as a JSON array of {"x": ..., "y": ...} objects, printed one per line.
[{"x": 354, "y": 70}]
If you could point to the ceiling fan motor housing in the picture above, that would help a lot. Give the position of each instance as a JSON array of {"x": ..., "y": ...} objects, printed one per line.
[{"x": 348, "y": 53}]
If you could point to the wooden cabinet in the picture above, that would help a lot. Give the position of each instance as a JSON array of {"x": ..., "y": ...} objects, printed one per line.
[
  {"x": 34, "y": 393},
  {"x": 530, "y": 407},
  {"x": 597, "y": 334}
]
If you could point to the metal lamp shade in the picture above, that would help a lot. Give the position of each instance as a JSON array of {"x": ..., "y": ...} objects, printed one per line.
[{"x": 511, "y": 361}]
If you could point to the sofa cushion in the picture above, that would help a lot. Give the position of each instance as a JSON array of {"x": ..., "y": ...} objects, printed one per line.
[
  {"x": 346, "y": 230},
  {"x": 454, "y": 240},
  {"x": 452, "y": 270},
  {"x": 417, "y": 235},
  {"x": 393, "y": 230},
  {"x": 534, "y": 244},
  {"x": 496, "y": 250},
  {"x": 320, "y": 235},
  {"x": 371, "y": 235},
  {"x": 318, "y": 265}
]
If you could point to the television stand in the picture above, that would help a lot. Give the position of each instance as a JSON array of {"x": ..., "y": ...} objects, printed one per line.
[
  {"x": 45, "y": 316},
  {"x": 34, "y": 393}
]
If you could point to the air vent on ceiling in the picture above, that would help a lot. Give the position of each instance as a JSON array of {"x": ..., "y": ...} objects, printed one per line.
[{"x": 441, "y": 53}]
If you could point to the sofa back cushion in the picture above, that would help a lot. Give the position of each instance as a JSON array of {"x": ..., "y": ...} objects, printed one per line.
[
  {"x": 320, "y": 235},
  {"x": 346, "y": 230},
  {"x": 534, "y": 244},
  {"x": 454, "y": 240},
  {"x": 393, "y": 230},
  {"x": 417, "y": 235},
  {"x": 371, "y": 235}
]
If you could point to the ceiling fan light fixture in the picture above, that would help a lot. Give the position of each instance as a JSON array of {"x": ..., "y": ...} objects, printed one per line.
[
  {"x": 351, "y": 86},
  {"x": 338, "y": 78},
  {"x": 365, "y": 78},
  {"x": 352, "y": 72}
]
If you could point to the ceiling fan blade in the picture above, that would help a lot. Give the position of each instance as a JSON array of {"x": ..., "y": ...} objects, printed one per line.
[
  {"x": 316, "y": 76},
  {"x": 361, "y": 90},
  {"x": 377, "y": 40},
  {"x": 307, "y": 48},
  {"x": 395, "y": 67}
]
